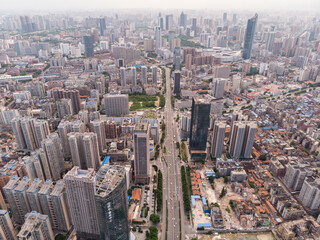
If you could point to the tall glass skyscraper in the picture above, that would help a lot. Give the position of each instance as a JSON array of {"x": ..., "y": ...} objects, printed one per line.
[
  {"x": 248, "y": 41},
  {"x": 88, "y": 45},
  {"x": 112, "y": 203},
  {"x": 200, "y": 121}
]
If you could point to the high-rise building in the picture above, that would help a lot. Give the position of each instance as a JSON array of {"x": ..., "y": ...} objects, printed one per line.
[
  {"x": 3, "y": 204},
  {"x": 236, "y": 139},
  {"x": 270, "y": 40},
  {"x": 161, "y": 23},
  {"x": 98, "y": 127},
  {"x": 177, "y": 76},
  {"x": 78, "y": 125},
  {"x": 225, "y": 19},
  {"x": 200, "y": 122},
  {"x": 296, "y": 174},
  {"x": 88, "y": 45},
  {"x": 32, "y": 195},
  {"x": 74, "y": 95},
  {"x": 194, "y": 26},
  {"x": 102, "y": 26},
  {"x": 43, "y": 195},
  {"x": 123, "y": 76},
  {"x": 64, "y": 128},
  {"x": 310, "y": 193},
  {"x": 40, "y": 155},
  {"x": 59, "y": 208},
  {"x": 15, "y": 193},
  {"x": 64, "y": 107},
  {"x": 241, "y": 139},
  {"x": 177, "y": 58},
  {"x": 111, "y": 203},
  {"x": 54, "y": 204},
  {"x": 234, "y": 19},
  {"x": 111, "y": 130},
  {"x": 188, "y": 61},
  {"x": 158, "y": 39},
  {"x": 134, "y": 76},
  {"x": 144, "y": 75},
  {"x": 219, "y": 129},
  {"x": 169, "y": 22},
  {"x": 251, "y": 128},
  {"x": 218, "y": 87},
  {"x": 25, "y": 132},
  {"x": 6, "y": 115},
  {"x": 248, "y": 40},
  {"x": 116, "y": 104},
  {"x": 7, "y": 231},
  {"x": 80, "y": 188},
  {"x": 175, "y": 42},
  {"x": 141, "y": 152},
  {"x": 41, "y": 128},
  {"x": 98, "y": 202},
  {"x": 36, "y": 226},
  {"x": 54, "y": 153},
  {"x": 33, "y": 167},
  {"x": 148, "y": 45},
  {"x": 183, "y": 19},
  {"x": 84, "y": 150},
  {"x": 154, "y": 74}
]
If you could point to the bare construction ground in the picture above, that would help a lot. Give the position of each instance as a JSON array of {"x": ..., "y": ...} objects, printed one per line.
[{"x": 239, "y": 236}]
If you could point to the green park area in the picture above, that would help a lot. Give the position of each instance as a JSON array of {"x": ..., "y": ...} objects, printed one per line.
[{"x": 142, "y": 101}]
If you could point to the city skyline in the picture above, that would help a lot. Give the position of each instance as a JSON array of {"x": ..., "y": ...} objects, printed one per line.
[{"x": 230, "y": 5}]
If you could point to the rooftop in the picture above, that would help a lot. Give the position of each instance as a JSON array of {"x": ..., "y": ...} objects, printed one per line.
[
  {"x": 58, "y": 189},
  {"x": 108, "y": 178},
  {"x": 76, "y": 172}
]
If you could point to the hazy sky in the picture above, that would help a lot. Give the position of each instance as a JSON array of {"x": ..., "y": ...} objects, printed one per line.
[{"x": 252, "y": 5}]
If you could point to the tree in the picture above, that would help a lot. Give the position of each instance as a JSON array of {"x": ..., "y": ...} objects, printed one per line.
[
  {"x": 211, "y": 179},
  {"x": 226, "y": 179},
  {"x": 60, "y": 237},
  {"x": 130, "y": 191},
  {"x": 263, "y": 157},
  {"x": 155, "y": 218},
  {"x": 153, "y": 233},
  {"x": 223, "y": 192}
]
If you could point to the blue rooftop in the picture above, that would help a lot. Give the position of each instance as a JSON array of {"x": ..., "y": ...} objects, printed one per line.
[
  {"x": 106, "y": 160},
  {"x": 204, "y": 225},
  {"x": 204, "y": 201}
]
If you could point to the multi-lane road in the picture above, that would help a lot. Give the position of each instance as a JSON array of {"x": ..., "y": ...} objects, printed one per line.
[{"x": 171, "y": 172}]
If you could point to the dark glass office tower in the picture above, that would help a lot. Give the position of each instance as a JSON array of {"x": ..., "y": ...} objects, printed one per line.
[
  {"x": 200, "y": 121},
  {"x": 194, "y": 26},
  {"x": 248, "y": 41},
  {"x": 177, "y": 76},
  {"x": 102, "y": 25},
  {"x": 112, "y": 203},
  {"x": 183, "y": 20},
  {"x": 225, "y": 19},
  {"x": 88, "y": 45}
]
